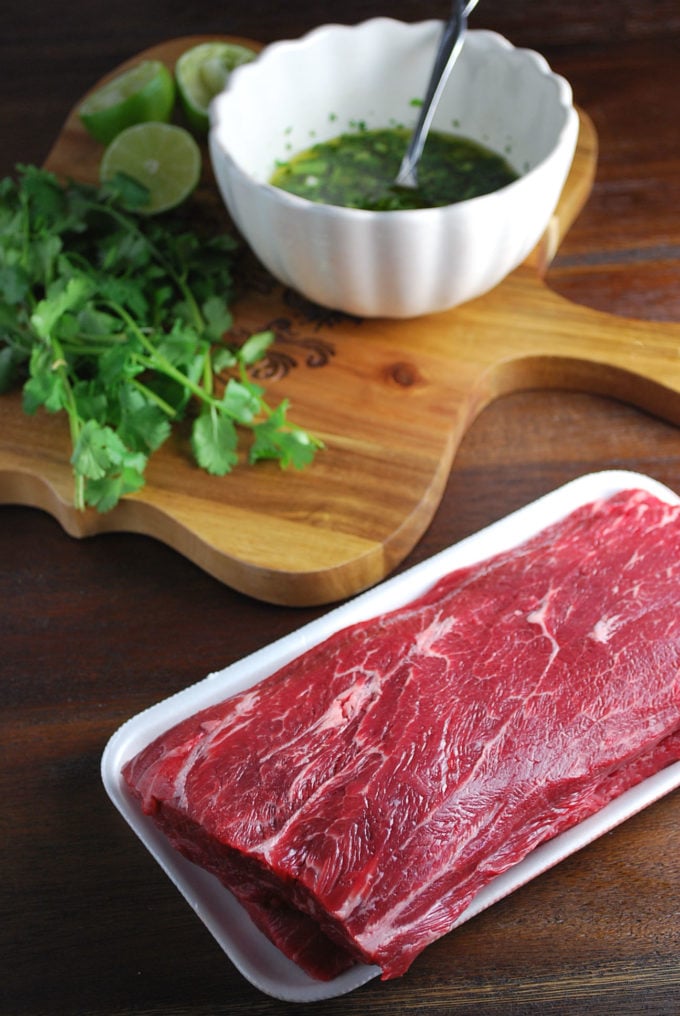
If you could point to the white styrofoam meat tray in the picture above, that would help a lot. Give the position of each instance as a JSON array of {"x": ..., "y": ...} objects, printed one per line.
[{"x": 250, "y": 951}]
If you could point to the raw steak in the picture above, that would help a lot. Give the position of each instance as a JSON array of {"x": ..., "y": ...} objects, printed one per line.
[{"x": 357, "y": 800}]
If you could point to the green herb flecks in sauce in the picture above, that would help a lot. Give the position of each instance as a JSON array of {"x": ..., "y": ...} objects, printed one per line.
[{"x": 357, "y": 170}]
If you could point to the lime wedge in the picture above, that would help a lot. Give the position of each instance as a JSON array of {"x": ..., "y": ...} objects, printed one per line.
[
  {"x": 164, "y": 158},
  {"x": 201, "y": 72},
  {"x": 145, "y": 92}
]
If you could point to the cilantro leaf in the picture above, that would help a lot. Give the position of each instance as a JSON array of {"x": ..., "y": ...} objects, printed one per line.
[
  {"x": 274, "y": 439},
  {"x": 254, "y": 348},
  {"x": 223, "y": 359},
  {"x": 61, "y": 297},
  {"x": 144, "y": 426},
  {"x": 97, "y": 449},
  {"x": 14, "y": 282},
  {"x": 217, "y": 316},
  {"x": 242, "y": 402},
  {"x": 47, "y": 385},
  {"x": 214, "y": 440}
]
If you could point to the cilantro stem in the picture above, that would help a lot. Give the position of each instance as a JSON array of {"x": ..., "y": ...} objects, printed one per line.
[
  {"x": 74, "y": 421},
  {"x": 156, "y": 361},
  {"x": 207, "y": 374},
  {"x": 94, "y": 345},
  {"x": 155, "y": 398}
]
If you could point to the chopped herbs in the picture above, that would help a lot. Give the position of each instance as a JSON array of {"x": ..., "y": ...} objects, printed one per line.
[
  {"x": 118, "y": 320},
  {"x": 358, "y": 169}
]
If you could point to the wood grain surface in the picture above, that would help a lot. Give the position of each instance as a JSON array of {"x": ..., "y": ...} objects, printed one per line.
[
  {"x": 391, "y": 401},
  {"x": 94, "y": 630}
]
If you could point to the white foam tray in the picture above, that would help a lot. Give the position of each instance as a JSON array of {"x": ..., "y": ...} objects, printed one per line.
[{"x": 257, "y": 959}]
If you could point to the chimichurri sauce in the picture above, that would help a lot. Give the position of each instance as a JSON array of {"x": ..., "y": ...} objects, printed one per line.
[{"x": 357, "y": 170}]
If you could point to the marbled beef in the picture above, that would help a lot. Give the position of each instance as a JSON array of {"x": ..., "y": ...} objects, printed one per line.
[{"x": 358, "y": 799}]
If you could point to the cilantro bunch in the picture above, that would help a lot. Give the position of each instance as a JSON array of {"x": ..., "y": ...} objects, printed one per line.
[{"x": 117, "y": 319}]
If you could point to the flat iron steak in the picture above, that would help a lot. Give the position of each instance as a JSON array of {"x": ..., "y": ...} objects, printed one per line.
[{"x": 358, "y": 799}]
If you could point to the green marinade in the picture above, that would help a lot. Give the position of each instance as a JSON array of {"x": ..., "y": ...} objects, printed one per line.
[{"x": 357, "y": 170}]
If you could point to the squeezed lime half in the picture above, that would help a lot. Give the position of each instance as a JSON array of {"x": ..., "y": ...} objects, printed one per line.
[
  {"x": 203, "y": 71},
  {"x": 144, "y": 92}
]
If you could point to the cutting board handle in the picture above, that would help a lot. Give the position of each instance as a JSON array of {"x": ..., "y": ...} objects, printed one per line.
[{"x": 553, "y": 343}]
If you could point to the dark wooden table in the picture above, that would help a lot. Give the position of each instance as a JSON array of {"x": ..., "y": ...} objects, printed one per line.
[{"x": 93, "y": 631}]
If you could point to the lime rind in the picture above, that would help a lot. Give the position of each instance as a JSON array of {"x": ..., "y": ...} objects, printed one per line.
[{"x": 144, "y": 92}]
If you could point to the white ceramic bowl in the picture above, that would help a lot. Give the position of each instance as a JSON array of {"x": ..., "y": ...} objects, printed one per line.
[{"x": 397, "y": 263}]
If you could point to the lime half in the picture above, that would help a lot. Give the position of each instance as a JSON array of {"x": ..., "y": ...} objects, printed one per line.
[
  {"x": 145, "y": 92},
  {"x": 164, "y": 158},
  {"x": 201, "y": 72}
]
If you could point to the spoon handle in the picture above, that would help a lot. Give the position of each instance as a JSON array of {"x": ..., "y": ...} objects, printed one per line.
[{"x": 449, "y": 47}]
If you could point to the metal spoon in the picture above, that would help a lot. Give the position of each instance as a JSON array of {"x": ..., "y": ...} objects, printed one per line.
[{"x": 449, "y": 47}]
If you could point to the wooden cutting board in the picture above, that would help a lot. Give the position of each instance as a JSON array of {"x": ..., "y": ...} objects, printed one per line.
[{"x": 390, "y": 399}]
